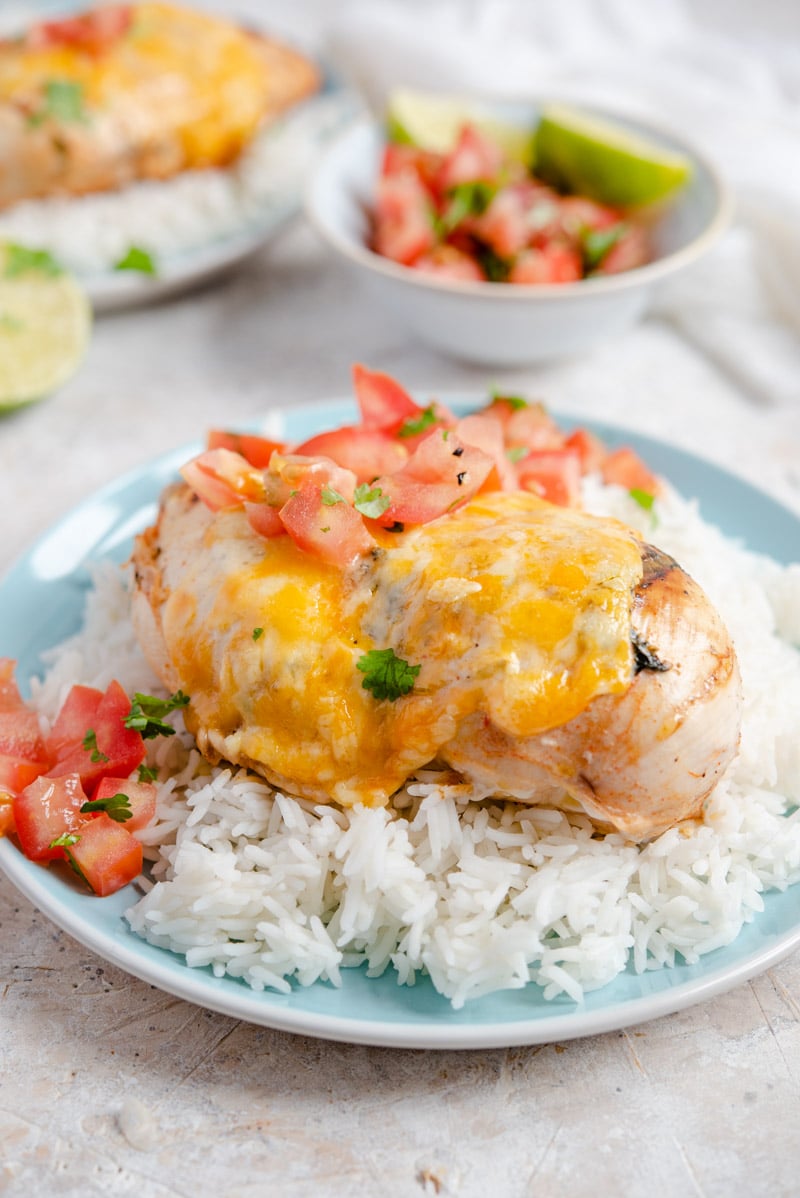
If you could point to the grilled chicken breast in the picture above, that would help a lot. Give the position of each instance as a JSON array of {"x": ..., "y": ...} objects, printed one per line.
[
  {"x": 560, "y": 660},
  {"x": 127, "y": 92}
]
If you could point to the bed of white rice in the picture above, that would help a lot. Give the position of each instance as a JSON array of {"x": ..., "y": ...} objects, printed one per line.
[
  {"x": 478, "y": 896},
  {"x": 193, "y": 211}
]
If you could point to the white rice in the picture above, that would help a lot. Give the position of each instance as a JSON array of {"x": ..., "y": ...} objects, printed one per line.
[
  {"x": 193, "y": 211},
  {"x": 479, "y": 896}
]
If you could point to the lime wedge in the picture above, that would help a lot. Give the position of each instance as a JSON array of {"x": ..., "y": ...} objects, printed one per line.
[
  {"x": 432, "y": 122},
  {"x": 604, "y": 161},
  {"x": 45, "y": 321}
]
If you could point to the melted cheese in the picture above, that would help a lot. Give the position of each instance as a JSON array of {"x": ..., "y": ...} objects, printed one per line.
[{"x": 511, "y": 607}]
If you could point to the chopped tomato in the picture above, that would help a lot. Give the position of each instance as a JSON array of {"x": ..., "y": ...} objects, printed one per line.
[
  {"x": 552, "y": 263},
  {"x": 222, "y": 478},
  {"x": 474, "y": 157},
  {"x": 17, "y": 772},
  {"x": 505, "y": 225},
  {"x": 578, "y": 214},
  {"x": 7, "y": 824},
  {"x": 105, "y": 854},
  {"x": 255, "y": 450},
  {"x": 334, "y": 532},
  {"x": 383, "y": 403},
  {"x": 589, "y": 448},
  {"x": 141, "y": 798},
  {"x": 92, "y": 32},
  {"x": 264, "y": 519},
  {"x": 486, "y": 434},
  {"x": 77, "y": 715},
  {"x": 115, "y": 750},
  {"x": 10, "y": 698},
  {"x": 403, "y": 219},
  {"x": 554, "y": 474},
  {"x": 366, "y": 452},
  {"x": 533, "y": 427},
  {"x": 449, "y": 262},
  {"x": 440, "y": 475},
  {"x": 625, "y": 468},
  {"x": 629, "y": 251},
  {"x": 45, "y": 810},
  {"x": 400, "y": 158},
  {"x": 20, "y": 735}
]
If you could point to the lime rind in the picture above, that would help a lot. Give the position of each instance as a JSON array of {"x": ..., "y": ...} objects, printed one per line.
[
  {"x": 605, "y": 161},
  {"x": 432, "y": 121}
]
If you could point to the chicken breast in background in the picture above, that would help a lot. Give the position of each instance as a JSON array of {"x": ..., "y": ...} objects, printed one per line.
[
  {"x": 135, "y": 91},
  {"x": 560, "y": 660}
]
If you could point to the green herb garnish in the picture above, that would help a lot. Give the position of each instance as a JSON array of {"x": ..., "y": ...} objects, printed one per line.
[
  {"x": 64, "y": 841},
  {"x": 20, "y": 259},
  {"x": 418, "y": 424},
  {"x": 330, "y": 496},
  {"x": 117, "y": 806},
  {"x": 64, "y": 100},
  {"x": 258, "y": 633},
  {"x": 90, "y": 745},
  {"x": 137, "y": 259},
  {"x": 495, "y": 268},
  {"x": 596, "y": 243},
  {"x": 644, "y": 498},
  {"x": 466, "y": 199},
  {"x": 147, "y": 773},
  {"x": 516, "y": 402},
  {"x": 386, "y": 675},
  {"x": 517, "y": 452},
  {"x": 147, "y": 713},
  {"x": 370, "y": 501}
]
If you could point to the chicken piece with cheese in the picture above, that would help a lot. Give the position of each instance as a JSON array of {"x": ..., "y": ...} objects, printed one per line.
[
  {"x": 552, "y": 657},
  {"x": 95, "y": 101}
]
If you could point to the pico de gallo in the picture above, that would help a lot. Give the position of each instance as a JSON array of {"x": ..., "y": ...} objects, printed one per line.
[
  {"x": 78, "y": 793},
  {"x": 476, "y": 214},
  {"x": 341, "y": 493}
]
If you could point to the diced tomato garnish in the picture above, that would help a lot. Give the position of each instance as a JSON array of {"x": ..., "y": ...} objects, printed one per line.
[
  {"x": 118, "y": 750},
  {"x": 334, "y": 532},
  {"x": 366, "y": 452},
  {"x": 486, "y": 434},
  {"x": 20, "y": 735},
  {"x": 7, "y": 824},
  {"x": 441, "y": 474},
  {"x": 552, "y": 263},
  {"x": 626, "y": 469},
  {"x": 106, "y": 854},
  {"x": 17, "y": 772},
  {"x": 449, "y": 262},
  {"x": 10, "y": 698},
  {"x": 45, "y": 810},
  {"x": 533, "y": 427},
  {"x": 404, "y": 217},
  {"x": 505, "y": 225},
  {"x": 264, "y": 519},
  {"x": 474, "y": 156},
  {"x": 589, "y": 448},
  {"x": 93, "y": 32},
  {"x": 78, "y": 714},
  {"x": 631, "y": 250},
  {"x": 400, "y": 158},
  {"x": 255, "y": 450},
  {"x": 553, "y": 474},
  {"x": 383, "y": 403},
  {"x": 222, "y": 478},
  {"x": 578, "y": 214},
  {"x": 141, "y": 798}
]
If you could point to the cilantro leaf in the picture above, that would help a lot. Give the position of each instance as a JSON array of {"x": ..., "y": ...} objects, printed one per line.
[
  {"x": 370, "y": 501},
  {"x": 137, "y": 259},
  {"x": 63, "y": 100},
  {"x": 643, "y": 498},
  {"x": 147, "y": 774},
  {"x": 258, "y": 633},
  {"x": 517, "y": 452},
  {"x": 147, "y": 713},
  {"x": 596, "y": 243},
  {"x": 465, "y": 199},
  {"x": 330, "y": 496},
  {"x": 20, "y": 259},
  {"x": 117, "y": 806},
  {"x": 495, "y": 268},
  {"x": 515, "y": 402},
  {"x": 418, "y": 424},
  {"x": 386, "y": 675},
  {"x": 64, "y": 840},
  {"x": 90, "y": 745}
]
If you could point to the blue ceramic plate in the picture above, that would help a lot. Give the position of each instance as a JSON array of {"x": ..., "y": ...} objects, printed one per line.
[{"x": 41, "y": 602}]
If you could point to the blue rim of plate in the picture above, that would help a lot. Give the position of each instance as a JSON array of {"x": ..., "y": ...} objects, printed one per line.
[{"x": 41, "y": 602}]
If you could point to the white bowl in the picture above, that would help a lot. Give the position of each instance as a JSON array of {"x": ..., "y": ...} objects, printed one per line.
[{"x": 500, "y": 323}]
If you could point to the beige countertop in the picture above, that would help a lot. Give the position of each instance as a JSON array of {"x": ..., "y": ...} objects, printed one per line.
[{"x": 109, "y": 1086}]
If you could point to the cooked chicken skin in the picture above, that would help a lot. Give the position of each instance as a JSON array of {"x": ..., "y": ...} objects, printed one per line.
[
  {"x": 133, "y": 92},
  {"x": 542, "y": 636}
]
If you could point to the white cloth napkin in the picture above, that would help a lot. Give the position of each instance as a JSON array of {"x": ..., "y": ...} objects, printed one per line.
[{"x": 736, "y": 96}]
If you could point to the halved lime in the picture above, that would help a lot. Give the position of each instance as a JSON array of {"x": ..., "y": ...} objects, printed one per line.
[
  {"x": 605, "y": 161},
  {"x": 45, "y": 320},
  {"x": 432, "y": 122}
]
